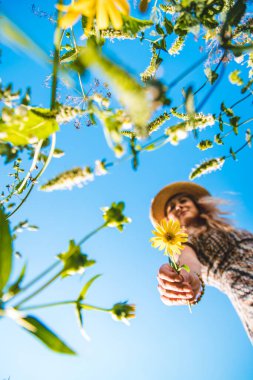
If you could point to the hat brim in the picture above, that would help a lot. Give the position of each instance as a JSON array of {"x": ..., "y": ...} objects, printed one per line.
[{"x": 157, "y": 210}]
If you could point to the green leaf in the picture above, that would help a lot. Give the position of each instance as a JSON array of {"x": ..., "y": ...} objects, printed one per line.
[
  {"x": 24, "y": 125},
  {"x": 189, "y": 104},
  {"x": 10, "y": 152},
  {"x": 238, "y": 50},
  {"x": 221, "y": 123},
  {"x": 69, "y": 56},
  {"x": 168, "y": 25},
  {"x": 236, "y": 13},
  {"x": 86, "y": 287},
  {"x": 211, "y": 75},
  {"x": 15, "y": 287},
  {"x": 159, "y": 29},
  {"x": 234, "y": 78},
  {"x": 48, "y": 337},
  {"x": 5, "y": 250},
  {"x": 80, "y": 321},
  {"x": 134, "y": 25},
  {"x": 185, "y": 267},
  {"x": 234, "y": 123},
  {"x": 248, "y": 137},
  {"x": 232, "y": 154},
  {"x": 228, "y": 111}
]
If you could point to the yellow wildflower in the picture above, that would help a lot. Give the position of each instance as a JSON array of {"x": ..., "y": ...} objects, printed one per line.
[
  {"x": 105, "y": 11},
  {"x": 169, "y": 236}
]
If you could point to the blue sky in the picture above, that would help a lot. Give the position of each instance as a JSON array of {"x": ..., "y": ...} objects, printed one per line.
[{"x": 162, "y": 342}]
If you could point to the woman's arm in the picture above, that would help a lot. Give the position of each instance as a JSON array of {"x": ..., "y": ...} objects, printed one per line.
[{"x": 179, "y": 289}]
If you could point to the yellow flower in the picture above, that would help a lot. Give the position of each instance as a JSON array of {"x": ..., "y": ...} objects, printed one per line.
[
  {"x": 169, "y": 236},
  {"x": 105, "y": 11}
]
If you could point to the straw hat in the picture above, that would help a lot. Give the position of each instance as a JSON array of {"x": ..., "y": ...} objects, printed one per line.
[{"x": 157, "y": 210}]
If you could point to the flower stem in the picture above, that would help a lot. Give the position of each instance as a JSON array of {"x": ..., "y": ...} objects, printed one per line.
[
  {"x": 91, "y": 307},
  {"x": 40, "y": 276},
  {"x": 39, "y": 290},
  {"x": 34, "y": 162},
  {"x": 42, "y": 306},
  {"x": 37, "y": 176},
  {"x": 63, "y": 303},
  {"x": 85, "y": 238}
]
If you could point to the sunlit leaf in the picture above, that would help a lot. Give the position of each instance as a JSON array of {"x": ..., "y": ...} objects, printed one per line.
[
  {"x": 5, "y": 250},
  {"x": 47, "y": 336},
  {"x": 86, "y": 287},
  {"x": 24, "y": 125},
  {"x": 15, "y": 287}
]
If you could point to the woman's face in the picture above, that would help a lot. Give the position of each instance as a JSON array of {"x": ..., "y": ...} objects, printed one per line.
[{"x": 182, "y": 208}]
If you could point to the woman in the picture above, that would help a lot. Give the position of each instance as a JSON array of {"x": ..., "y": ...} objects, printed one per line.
[{"x": 216, "y": 251}]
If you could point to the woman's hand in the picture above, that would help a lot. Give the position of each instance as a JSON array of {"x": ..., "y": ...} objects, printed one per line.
[{"x": 177, "y": 289}]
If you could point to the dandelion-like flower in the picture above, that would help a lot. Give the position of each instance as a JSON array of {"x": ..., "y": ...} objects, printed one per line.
[
  {"x": 105, "y": 11},
  {"x": 169, "y": 236}
]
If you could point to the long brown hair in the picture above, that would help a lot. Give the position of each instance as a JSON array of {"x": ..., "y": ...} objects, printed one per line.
[{"x": 210, "y": 215}]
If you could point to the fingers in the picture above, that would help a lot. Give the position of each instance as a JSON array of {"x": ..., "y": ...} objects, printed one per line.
[
  {"x": 172, "y": 302},
  {"x": 177, "y": 286},
  {"x": 172, "y": 295},
  {"x": 168, "y": 274}
]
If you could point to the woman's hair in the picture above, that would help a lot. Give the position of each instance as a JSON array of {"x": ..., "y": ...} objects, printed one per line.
[{"x": 210, "y": 214}]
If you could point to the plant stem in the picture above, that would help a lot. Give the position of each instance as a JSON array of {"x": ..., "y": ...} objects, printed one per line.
[
  {"x": 37, "y": 176},
  {"x": 63, "y": 303},
  {"x": 34, "y": 162},
  {"x": 91, "y": 307},
  {"x": 78, "y": 74},
  {"x": 57, "y": 41},
  {"x": 42, "y": 306},
  {"x": 187, "y": 71},
  {"x": 20, "y": 204},
  {"x": 85, "y": 238},
  {"x": 49, "y": 158},
  {"x": 40, "y": 276},
  {"x": 39, "y": 290}
]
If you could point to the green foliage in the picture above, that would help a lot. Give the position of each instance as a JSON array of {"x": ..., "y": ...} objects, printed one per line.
[
  {"x": 122, "y": 311},
  {"x": 7, "y": 96},
  {"x": 211, "y": 75},
  {"x": 177, "y": 46},
  {"x": 206, "y": 167},
  {"x": 235, "y": 78},
  {"x": 86, "y": 287},
  {"x": 205, "y": 144},
  {"x": 9, "y": 152},
  {"x": 234, "y": 123},
  {"x": 74, "y": 261},
  {"x": 233, "y": 155},
  {"x": 248, "y": 137},
  {"x": 150, "y": 71},
  {"x": 47, "y": 336},
  {"x": 227, "y": 111},
  {"x": 16, "y": 286},
  {"x": 23, "y": 125},
  {"x": 5, "y": 250},
  {"x": 130, "y": 29},
  {"x": 114, "y": 217}
]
